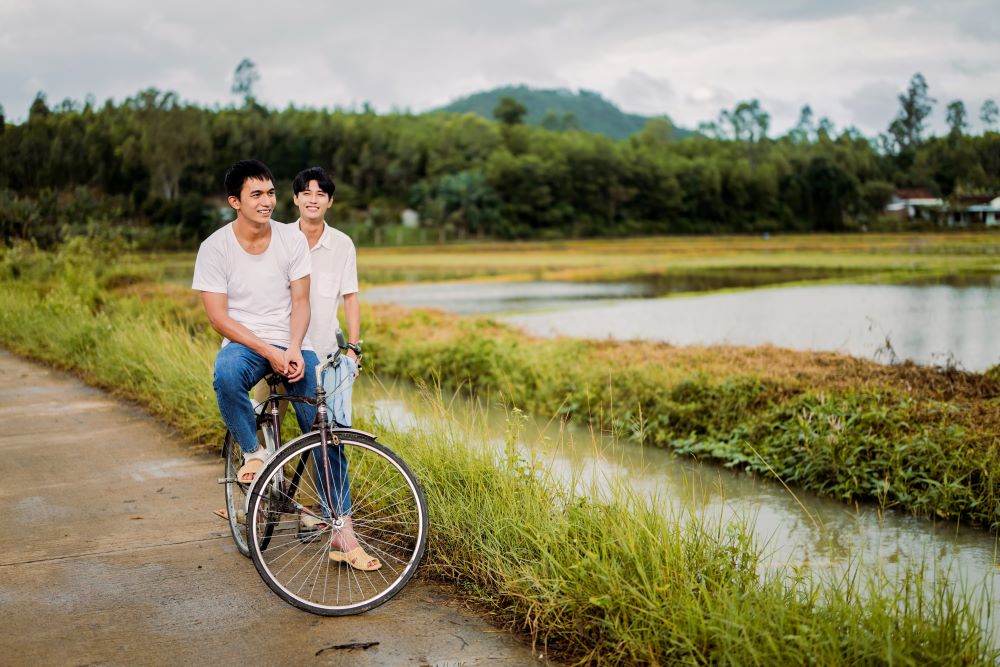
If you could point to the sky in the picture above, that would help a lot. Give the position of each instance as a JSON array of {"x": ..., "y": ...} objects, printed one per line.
[{"x": 689, "y": 59}]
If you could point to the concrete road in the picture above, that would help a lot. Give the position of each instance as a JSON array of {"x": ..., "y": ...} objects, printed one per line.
[{"x": 110, "y": 555}]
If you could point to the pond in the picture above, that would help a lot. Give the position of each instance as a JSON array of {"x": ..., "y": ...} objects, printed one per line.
[{"x": 930, "y": 324}]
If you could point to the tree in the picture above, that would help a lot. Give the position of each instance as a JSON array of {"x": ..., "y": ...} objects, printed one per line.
[
  {"x": 749, "y": 122},
  {"x": 560, "y": 122},
  {"x": 804, "y": 129},
  {"x": 988, "y": 114},
  {"x": 39, "y": 109},
  {"x": 657, "y": 132},
  {"x": 509, "y": 111},
  {"x": 3, "y": 120},
  {"x": 244, "y": 79},
  {"x": 172, "y": 138},
  {"x": 915, "y": 107},
  {"x": 957, "y": 118}
]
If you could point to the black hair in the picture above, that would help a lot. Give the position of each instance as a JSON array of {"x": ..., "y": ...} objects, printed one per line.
[
  {"x": 243, "y": 171},
  {"x": 313, "y": 174}
]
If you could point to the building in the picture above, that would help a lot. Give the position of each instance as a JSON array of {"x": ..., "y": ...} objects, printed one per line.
[
  {"x": 965, "y": 210},
  {"x": 916, "y": 204}
]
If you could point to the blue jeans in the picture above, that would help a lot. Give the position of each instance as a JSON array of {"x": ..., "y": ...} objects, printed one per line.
[{"x": 237, "y": 370}]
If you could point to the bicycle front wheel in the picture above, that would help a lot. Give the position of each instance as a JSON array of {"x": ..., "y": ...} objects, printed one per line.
[{"x": 386, "y": 508}]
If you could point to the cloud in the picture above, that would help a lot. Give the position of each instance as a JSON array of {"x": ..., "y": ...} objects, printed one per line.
[
  {"x": 642, "y": 93},
  {"x": 872, "y": 105},
  {"x": 686, "y": 58}
]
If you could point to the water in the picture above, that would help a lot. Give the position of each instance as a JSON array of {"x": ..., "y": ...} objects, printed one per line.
[
  {"x": 802, "y": 531},
  {"x": 928, "y": 324}
]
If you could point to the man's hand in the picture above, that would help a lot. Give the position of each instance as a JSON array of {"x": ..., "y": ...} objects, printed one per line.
[
  {"x": 295, "y": 364},
  {"x": 276, "y": 358},
  {"x": 357, "y": 366}
]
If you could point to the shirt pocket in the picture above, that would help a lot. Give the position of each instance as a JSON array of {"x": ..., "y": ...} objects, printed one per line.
[{"x": 326, "y": 286}]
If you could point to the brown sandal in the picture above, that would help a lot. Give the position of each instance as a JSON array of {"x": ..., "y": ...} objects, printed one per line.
[
  {"x": 356, "y": 558},
  {"x": 251, "y": 467}
]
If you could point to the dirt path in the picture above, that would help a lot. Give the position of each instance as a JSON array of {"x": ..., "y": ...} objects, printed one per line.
[{"x": 109, "y": 555}]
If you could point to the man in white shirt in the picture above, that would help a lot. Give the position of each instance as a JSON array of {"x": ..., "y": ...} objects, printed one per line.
[
  {"x": 335, "y": 276},
  {"x": 253, "y": 275}
]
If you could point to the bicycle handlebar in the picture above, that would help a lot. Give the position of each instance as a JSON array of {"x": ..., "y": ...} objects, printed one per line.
[{"x": 333, "y": 358}]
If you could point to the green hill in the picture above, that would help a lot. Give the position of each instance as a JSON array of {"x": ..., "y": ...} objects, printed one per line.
[{"x": 587, "y": 110}]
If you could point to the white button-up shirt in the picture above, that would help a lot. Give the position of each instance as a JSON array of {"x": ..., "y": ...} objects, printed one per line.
[{"x": 334, "y": 274}]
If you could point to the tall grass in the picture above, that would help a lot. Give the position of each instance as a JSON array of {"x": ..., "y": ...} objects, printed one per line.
[
  {"x": 615, "y": 581},
  {"x": 627, "y": 581}
]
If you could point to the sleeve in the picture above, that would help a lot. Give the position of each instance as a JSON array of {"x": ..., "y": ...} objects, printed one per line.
[
  {"x": 210, "y": 269},
  {"x": 300, "y": 264},
  {"x": 349, "y": 279}
]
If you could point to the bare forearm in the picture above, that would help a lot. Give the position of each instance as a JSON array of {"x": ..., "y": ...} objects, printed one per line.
[
  {"x": 299, "y": 321},
  {"x": 352, "y": 313}
]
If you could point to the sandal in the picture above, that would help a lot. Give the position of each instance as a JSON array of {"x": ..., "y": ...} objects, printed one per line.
[
  {"x": 309, "y": 520},
  {"x": 356, "y": 558},
  {"x": 223, "y": 514},
  {"x": 251, "y": 467}
]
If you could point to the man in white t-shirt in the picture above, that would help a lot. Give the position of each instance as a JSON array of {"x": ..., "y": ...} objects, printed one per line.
[{"x": 253, "y": 275}]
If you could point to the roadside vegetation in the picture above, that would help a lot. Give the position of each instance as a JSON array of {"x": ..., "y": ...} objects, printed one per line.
[{"x": 615, "y": 581}]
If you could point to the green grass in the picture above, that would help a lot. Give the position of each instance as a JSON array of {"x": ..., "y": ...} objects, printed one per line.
[
  {"x": 627, "y": 581},
  {"x": 612, "y": 582},
  {"x": 878, "y": 257}
]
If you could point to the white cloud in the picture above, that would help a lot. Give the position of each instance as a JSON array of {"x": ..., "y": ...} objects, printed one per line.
[{"x": 686, "y": 58}]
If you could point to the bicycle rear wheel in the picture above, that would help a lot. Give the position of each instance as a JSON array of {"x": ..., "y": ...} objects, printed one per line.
[
  {"x": 388, "y": 512},
  {"x": 236, "y": 494}
]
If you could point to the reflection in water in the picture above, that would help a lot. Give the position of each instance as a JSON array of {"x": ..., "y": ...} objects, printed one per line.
[
  {"x": 929, "y": 324},
  {"x": 804, "y": 530},
  {"x": 469, "y": 298},
  {"x": 935, "y": 325}
]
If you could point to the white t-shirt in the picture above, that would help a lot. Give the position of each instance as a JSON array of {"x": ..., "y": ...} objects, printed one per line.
[
  {"x": 258, "y": 287},
  {"x": 335, "y": 273}
]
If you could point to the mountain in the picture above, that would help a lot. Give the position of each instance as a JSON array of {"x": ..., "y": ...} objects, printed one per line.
[{"x": 590, "y": 112}]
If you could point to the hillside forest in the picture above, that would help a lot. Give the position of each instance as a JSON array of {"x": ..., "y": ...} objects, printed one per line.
[{"x": 150, "y": 168}]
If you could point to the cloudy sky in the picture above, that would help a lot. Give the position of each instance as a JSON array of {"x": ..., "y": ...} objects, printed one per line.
[{"x": 689, "y": 58}]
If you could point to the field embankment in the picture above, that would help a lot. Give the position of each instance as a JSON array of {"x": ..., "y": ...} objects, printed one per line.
[{"x": 614, "y": 582}]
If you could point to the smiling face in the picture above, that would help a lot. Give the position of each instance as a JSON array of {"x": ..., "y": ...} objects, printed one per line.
[
  {"x": 256, "y": 201},
  {"x": 313, "y": 202}
]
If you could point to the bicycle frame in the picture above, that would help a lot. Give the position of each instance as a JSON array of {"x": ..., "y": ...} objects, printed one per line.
[{"x": 328, "y": 433}]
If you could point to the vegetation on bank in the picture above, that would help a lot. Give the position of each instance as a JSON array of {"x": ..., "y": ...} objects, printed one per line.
[{"x": 611, "y": 582}]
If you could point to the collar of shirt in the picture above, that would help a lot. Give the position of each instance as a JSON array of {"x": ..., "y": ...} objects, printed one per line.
[{"x": 325, "y": 239}]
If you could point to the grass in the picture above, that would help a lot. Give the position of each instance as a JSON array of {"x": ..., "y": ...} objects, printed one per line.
[
  {"x": 618, "y": 581},
  {"x": 628, "y": 582},
  {"x": 882, "y": 257}
]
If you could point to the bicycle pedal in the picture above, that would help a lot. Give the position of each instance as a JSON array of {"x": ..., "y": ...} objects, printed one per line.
[{"x": 226, "y": 480}]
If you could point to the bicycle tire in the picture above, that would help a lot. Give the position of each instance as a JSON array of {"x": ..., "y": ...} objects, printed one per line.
[
  {"x": 236, "y": 495},
  {"x": 389, "y": 514}
]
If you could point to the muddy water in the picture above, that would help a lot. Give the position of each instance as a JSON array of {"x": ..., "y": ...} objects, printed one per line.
[{"x": 804, "y": 531}]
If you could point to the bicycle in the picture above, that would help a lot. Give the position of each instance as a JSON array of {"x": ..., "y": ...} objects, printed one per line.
[{"x": 306, "y": 481}]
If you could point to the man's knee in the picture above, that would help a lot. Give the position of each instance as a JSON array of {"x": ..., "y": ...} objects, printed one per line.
[{"x": 229, "y": 378}]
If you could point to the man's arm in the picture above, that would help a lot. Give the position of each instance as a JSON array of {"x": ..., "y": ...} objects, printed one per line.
[
  {"x": 298, "y": 325},
  {"x": 217, "y": 307},
  {"x": 352, "y": 313}
]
